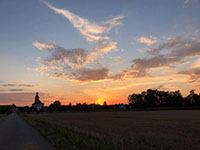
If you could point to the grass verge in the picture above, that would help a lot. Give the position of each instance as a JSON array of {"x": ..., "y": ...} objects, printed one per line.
[{"x": 65, "y": 139}]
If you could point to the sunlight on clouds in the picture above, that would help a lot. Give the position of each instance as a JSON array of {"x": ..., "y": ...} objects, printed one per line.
[
  {"x": 196, "y": 64},
  {"x": 72, "y": 64},
  {"x": 90, "y": 30},
  {"x": 117, "y": 91},
  {"x": 105, "y": 46},
  {"x": 42, "y": 46},
  {"x": 148, "y": 40}
]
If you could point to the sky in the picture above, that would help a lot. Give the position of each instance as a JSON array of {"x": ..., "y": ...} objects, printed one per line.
[{"x": 95, "y": 51}]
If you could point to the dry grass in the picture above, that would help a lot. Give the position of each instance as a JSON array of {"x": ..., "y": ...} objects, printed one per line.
[{"x": 145, "y": 129}]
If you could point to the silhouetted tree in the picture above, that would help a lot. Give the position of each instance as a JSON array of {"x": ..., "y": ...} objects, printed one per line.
[
  {"x": 56, "y": 106},
  {"x": 152, "y": 98},
  {"x": 136, "y": 100},
  {"x": 193, "y": 98}
]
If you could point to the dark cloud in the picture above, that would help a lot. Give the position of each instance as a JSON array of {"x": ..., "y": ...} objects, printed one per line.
[
  {"x": 16, "y": 90},
  {"x": 171, "y": 44},
  {"x": 71, "y": 64},
  {"x": 142, "y": 64},
  {"x": 177, "y": 49},
  {"x": 18, "y": 85},
  {"x": 74, "y": 58},
  {"x": 86, "y": 74},
  {"x": 12, "y": 90}
]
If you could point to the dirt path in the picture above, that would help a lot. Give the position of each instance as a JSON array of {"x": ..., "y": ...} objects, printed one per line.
[{"x": 16, "y": 134}]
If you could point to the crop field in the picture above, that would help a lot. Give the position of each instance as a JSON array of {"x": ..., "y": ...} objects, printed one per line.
[{"x": 177, "y": 129}]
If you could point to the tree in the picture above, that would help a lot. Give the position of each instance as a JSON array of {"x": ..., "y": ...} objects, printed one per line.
[
  {"x": 150, "y": 98},
  {"x": 57, "y": 103},
  {"x": 55, "y": 106},
  {"x": 136, "y": 100},
  {"x": 193, "y": 98}
]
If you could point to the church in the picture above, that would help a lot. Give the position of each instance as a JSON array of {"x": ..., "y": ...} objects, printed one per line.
[{"x": 37, "y": 105}]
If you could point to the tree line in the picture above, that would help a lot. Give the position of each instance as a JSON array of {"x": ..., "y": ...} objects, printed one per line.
[
  {"x": 154, "y": 98},
  {"x": 56, "y": 106},
  {"x": 145, "y": 99}
]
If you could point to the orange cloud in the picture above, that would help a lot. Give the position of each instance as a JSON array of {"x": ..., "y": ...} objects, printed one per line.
[
  {"x": 148, "y": 40},
  {"x": 42, "y": 46}
]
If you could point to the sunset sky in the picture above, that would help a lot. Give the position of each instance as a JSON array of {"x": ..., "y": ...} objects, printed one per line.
[{"x": 94, "y": 51}]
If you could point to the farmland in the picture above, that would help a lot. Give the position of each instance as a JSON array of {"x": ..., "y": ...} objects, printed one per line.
[{"x": 177, "y": 129}]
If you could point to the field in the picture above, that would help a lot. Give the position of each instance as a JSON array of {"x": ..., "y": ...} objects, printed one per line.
[{"x": 177, "y": 129}]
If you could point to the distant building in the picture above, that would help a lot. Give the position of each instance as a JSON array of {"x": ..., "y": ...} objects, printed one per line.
[
  {"x": 8, "y": 109},
  {"x": 122, "y": 106},
  {"x": 37, "y": 105}
]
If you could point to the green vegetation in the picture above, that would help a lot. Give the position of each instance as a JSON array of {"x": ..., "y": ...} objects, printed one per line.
[{"x": 62, "y": 138}]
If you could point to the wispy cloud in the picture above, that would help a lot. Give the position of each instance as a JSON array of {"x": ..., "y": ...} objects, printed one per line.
[
  {"x": 18, "y": 85},
  {"x": 12, "y": 90},
  {"x": 42, "y": 46},
  {"x": 192, "y": 73},
  {"x": 106, "y": 46},
  {"x": 176, "y": 50},
  {"x": 72, "y": 64},
  {"x": 92, "y": 31},
  {"x": 148, "y": 40}
]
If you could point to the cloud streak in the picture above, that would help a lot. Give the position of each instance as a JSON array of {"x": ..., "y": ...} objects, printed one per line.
[
  {"x": 12, "y": 90},
  {"x": 18, "y": 85},
  {"x": 42, "y": 46},
  {"x": 90, "y": 30},
  {"x": 193, "y": 74}
]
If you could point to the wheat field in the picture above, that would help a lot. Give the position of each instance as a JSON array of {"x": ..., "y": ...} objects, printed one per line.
[{"x": 177, "y": 129}]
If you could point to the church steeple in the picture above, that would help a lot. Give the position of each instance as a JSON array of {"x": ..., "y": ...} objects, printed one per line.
[
  {"x": 37, "y": 98},
  {"x": 37, "y": 105}
]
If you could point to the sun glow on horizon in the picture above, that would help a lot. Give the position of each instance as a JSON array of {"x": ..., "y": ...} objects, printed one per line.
[{"x": 100, "y": 101}]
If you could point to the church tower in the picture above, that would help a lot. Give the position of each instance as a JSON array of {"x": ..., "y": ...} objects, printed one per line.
[
  {"x": 37, "y": 98},
  {"x": 37, "y": 105}
]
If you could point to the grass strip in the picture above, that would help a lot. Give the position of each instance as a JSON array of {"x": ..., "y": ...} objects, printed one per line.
[{"x": 65, "y": 139}]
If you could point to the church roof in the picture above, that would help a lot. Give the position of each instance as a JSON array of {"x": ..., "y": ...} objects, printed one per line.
[{"x": 38, "y": 102}]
